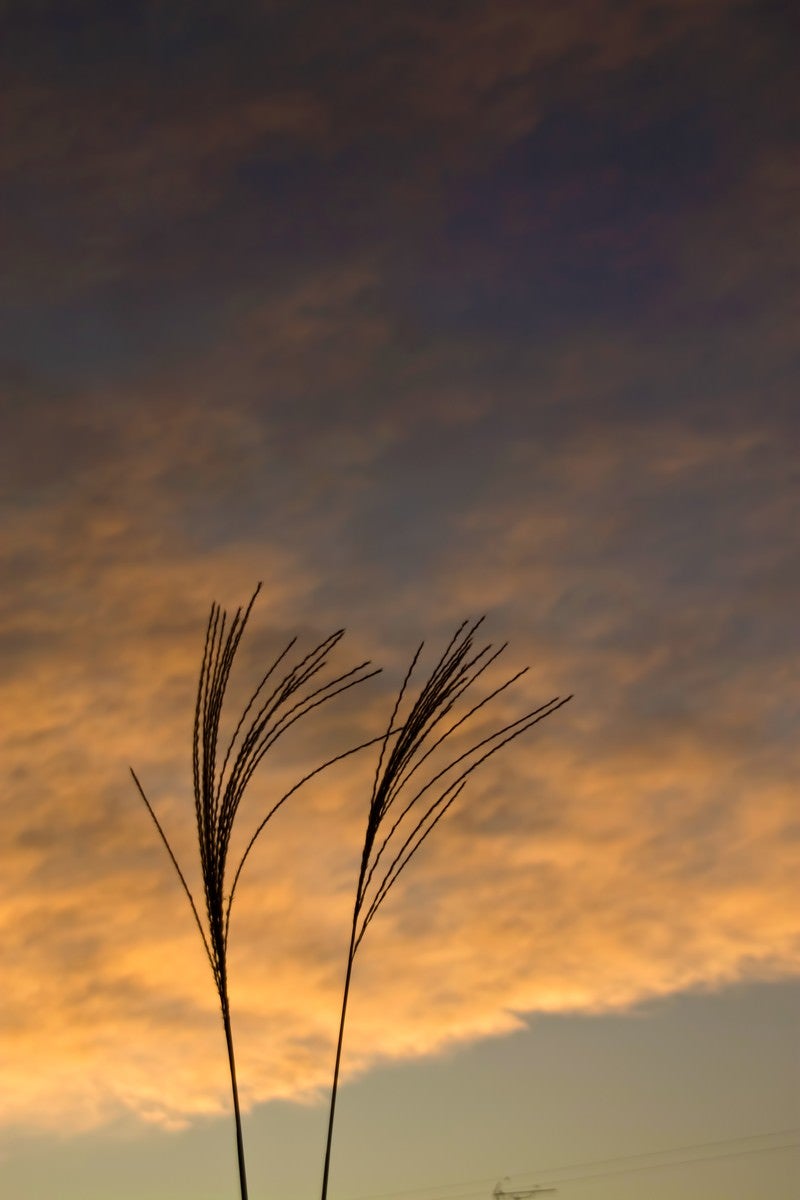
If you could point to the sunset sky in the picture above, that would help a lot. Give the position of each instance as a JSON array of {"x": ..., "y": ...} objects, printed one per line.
[{"x": 414, "y": 311}]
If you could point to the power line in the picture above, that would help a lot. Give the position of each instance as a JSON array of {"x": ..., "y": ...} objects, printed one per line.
[
  {"x": 679, "y": 1162},
  {"x": 642, "y": 1154},
  {"x": 437, "y": 1191},
  {"x": 522, "y": 1193},
  {"x": 642, "y": 1167}
]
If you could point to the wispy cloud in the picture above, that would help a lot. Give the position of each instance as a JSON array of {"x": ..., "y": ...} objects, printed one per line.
[
  {"x": 637, "y": 846},
  {"x": 413, "y": 325}
]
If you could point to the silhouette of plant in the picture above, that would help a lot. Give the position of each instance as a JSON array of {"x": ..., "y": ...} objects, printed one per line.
[
  {"x": 402, "y": 814},
  {"x": 218, "y": 790}
]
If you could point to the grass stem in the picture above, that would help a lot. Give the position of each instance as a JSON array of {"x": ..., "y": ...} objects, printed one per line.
[{"x": 391, "y": 841}]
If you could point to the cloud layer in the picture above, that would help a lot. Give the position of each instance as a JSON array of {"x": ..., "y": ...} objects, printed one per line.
[{"x": 435, "y": 318}]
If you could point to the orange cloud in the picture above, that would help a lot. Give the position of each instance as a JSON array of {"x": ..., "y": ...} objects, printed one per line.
[
  {"x": 605, "y": 860},
  {"x": 640, "y": 843}
]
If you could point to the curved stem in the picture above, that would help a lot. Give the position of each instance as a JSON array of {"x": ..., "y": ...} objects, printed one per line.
[
  {"x": 180, "y": 873},
  {"x": 335, "y": 1085}
]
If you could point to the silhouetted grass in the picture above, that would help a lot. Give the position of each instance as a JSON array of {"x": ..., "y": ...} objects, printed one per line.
[
  {"x": 402, "y": 814},
  {"x": 222, "y": 776}
]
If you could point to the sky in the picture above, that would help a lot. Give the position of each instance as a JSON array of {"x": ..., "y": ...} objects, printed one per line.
[{"x": 414, "y": 312}]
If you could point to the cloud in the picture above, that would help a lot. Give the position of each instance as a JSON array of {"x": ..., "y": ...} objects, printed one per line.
[
  {"x": 128, "y": 136},
  {"x": 374, "y": 376},
  {"x": 638, "y": 844}
]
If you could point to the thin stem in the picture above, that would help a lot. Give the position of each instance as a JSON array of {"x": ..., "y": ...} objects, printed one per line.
[
  {"x": 419, "y": 736},
  {"x": 180, "y": 874},
  {"x": 220, "y": 779},
  {"x": 226, "y": 1021},
  {"x": 286, "y": 795},
  {"x": 337, "y": 1062}
]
